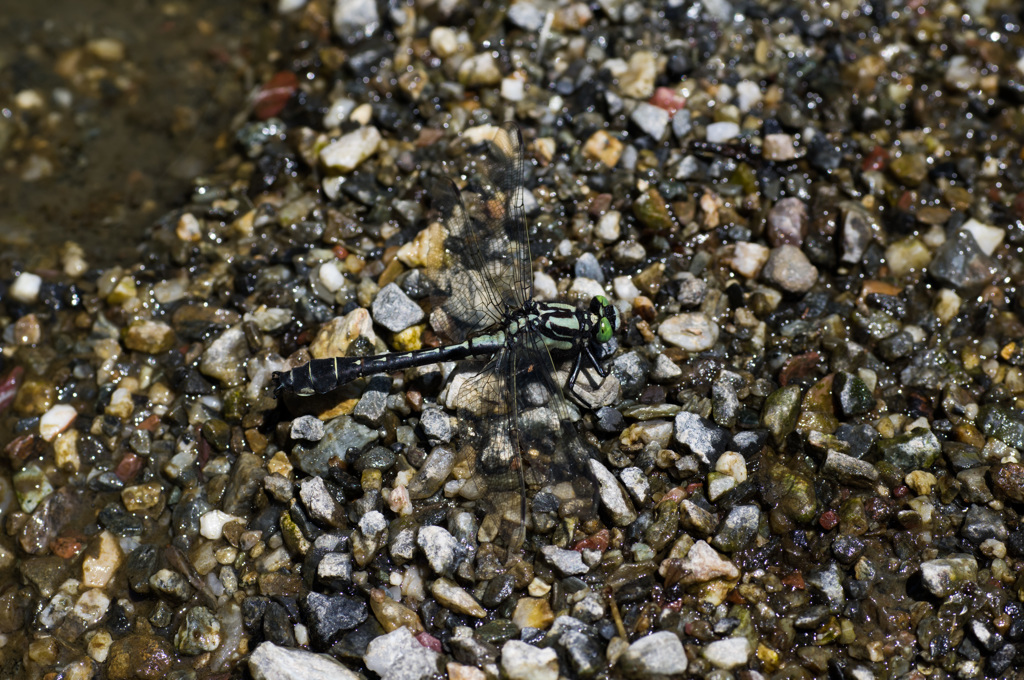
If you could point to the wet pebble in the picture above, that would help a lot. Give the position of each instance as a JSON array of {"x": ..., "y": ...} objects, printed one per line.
[
  {"x": 440, "y": 547},
  {"x": 329, "y": 615},
  {"x": 657, "y": 654},
  {"x": 199, "y": 632},
  {"x": 521, "y": 661},
  {"x": 272, "y": 662},
  {"x": 789, "y": 269},
  {"x": 727, "y": 654},
  {"x": 309, "y": 428},
  {"x": 394, "y": 310},
  {"x": 691, "y": 331},
  {"x": 399, "y": 656},
  {"x": 568, "y": 562}
]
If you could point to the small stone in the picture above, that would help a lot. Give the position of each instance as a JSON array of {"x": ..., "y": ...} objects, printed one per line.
[
  {"x": 399, "y": 656},
  {"x": 652, "y": 120},
  {"x": 638, "y": 79},
  {"x": 271, "y": 662},
  {"x": 787, "y": 222},
  {"x": 99, "y": 566},
  {"x": 56, "y": 420},
  {"x": 603, "y": 147},
  {"x": 780, "y": 412},
  {"x": 691, "y": 331},
  {"x": 309, "y": 428},
  {"x": 354, "y": 20},
  {"x": 961, "y": 264},
  {"x": 349, "y": 151},
  {"x": 149, "y": 337},
  {"x": 328, "y": 616},
  {"x": 336, "y": 335},
  {"x": 789, "y": 269},
  {"x": 455, "y": 598},
  {"x": 319, "y": 503},
  {"x": 440, "y": 547},
  {"x": 199, "y": 632},
  {"x": 612, "y": 496},
  {"x": 738, "y": 529},
  {"x": 986, "y": 236},
  {"x": 748, "y": 258},
  {"x": 703, "y": 563},
  {"x": 721, "y": 132},
  {"x": 849, "y": 470},
  {"x": 226, "y": 356},
  {"x": 533, "y": 612},
  {"x": 212, "y": 523},
  {"x": 778, "y": 147},
  {"x": 943, "y": 577},
  {"x": 521, "y": 661},
  {"x": 393, "y": 309},
  {"x": 168, "y": 582},
  {"x": 728, "y": 654},
  {"x": 480, "y": 70},
  {"x": 657, "y": 654},
  {"x": 139, "y": 657},
  {"x": 25, "y": 288},
  {"x": 915, "y": 450},
  {"x": 568, "y": 562},
  {"x": 609, "y": 226},
  {"x": 142, "y": 498},
  {"x": 701, "y": 436}
]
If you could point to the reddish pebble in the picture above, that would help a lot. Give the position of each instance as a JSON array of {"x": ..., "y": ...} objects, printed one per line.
[
  {"x": 598, "y": 541},
  {"x": 828, "y": 520},
  {"x": 794, "y": 580},
  {"x": 9, "y": 387},
  {"x": 20, "y": 448},
  {"x": 340, "y": 252},
  {"x": 429, "y": 641},
  {"x": 668, "y": 99},
  {"x": 901, "y": 491},
  {"x": 275, "y": 94},
  {"x": 129, "y": 466},
  {"x": 150, "y": 423},
  {"x": 67, "y": 547},
  {"x": 690, "y": 488},
  {"x": 876, "y": 160}
]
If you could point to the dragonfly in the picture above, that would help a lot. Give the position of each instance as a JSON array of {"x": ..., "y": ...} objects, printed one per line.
[{"x": 514, "y": 423}]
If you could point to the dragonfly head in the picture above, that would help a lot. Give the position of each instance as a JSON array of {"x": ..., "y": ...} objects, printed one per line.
[{"x": 606, "y": 318}]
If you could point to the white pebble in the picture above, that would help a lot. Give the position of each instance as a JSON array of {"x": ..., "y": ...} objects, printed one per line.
[
  {"x": 691, "y": 331},
  {"x": 512, "y": 89},
  {"x": 731, "y": 463},
  {"x": 988, "y": 237},
  {"x": 625, "y": 289},
  {"x": 444, "y": 42},
  {"x": 330, "y": 277},
  {"x": 26, "y": 288},
  {"x": 544, "y": 287},
  {"x": 345, "y": 154},
  {"x": 212, "y": 523},
  {"x": 587, "y": 288},
  {"x": 609, "y": 226},
  {"x": 748, "y": 95},
  {"x": 748, "y": 258},
  {"x": 718, "y": 133},
  {"x": 56, "y": 420}
]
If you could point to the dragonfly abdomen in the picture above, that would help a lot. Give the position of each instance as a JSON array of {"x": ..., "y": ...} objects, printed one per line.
[{"x": 320, "y": 376}]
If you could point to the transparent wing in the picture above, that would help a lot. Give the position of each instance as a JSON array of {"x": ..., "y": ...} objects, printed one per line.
[
  {"x": 488, "y": 438},
  {"x": 483, "y": 267},
  {"x": 528, "y": 454},
  {"x": 555, "y": 458}
]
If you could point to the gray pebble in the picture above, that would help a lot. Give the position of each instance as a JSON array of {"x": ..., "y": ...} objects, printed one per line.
[
  {"x": 394, "y": 310},
  {"x": 309, "y": 428}
]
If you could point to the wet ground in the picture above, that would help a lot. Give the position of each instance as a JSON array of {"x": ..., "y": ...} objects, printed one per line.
[{"x": 146, "y": 92}]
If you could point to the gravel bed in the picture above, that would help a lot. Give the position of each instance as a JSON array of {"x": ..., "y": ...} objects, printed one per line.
[{"x": 808, "y": 450}]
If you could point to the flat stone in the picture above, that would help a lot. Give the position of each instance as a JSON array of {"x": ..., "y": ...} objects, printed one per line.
[
  {"x": 399, "y": 656},
  {"x": 656, "y": 654},
  {"x": 271, "y": 662}
]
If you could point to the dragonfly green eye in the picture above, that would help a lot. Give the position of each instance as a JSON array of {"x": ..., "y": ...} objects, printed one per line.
[{"x": 604, "y": 331}]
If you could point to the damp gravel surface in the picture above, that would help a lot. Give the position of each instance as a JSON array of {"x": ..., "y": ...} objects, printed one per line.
[{"x": 808, "y": 447}]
